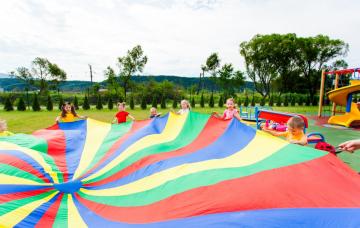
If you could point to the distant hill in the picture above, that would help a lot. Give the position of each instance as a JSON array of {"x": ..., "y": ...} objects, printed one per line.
[
  {"x": 2, "y": 75},
  {"x": 13, "y": 84}
]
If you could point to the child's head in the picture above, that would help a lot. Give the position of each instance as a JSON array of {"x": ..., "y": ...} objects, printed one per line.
[
  {"x": 67, "y": 107},
  {"x": 230, "y": 103},
  {"x": 3, "y": 125},
  {"x": 121, "y": 106},
  {"x": 153, "y": 111},
  {"x": 295, "y": 125},
  {"x": 185, "y": 104}
]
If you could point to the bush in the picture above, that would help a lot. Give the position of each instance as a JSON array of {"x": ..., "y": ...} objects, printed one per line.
[
  {"x": 239, "y": 102},
  {"x": 143, "y": 103},
  {"x": 246, "y": 102},
  {"x": 221, "y": 101},
  {"x": 174, "y": 105},
  {"x": 76, "y": 103},
  {"x": 253, "y": 101},
  {"x": 263, "y": 101},
  {"x": 286, "y": 100},
  {"x": 132, "y": 103},
  {"x": 49, "y": 104},
  {"x": 99, "y": 105},
  {"x": 8, "y": 106},
  {"x": 86, "y": 105},
  {"x": 21, "y": 106},
  {"x": 271, "y": 101},
  {"x": 154, "y": 102},
  {"x": 193, "y": 102},
  {"x": 163, "y": 102},
  {"x": 36, "y": 105},
  {"x": 61, "y": 102},
  {"x": 307, "y": 102},
  {"x": 315, "y": 101},
  {"x": 278, "y": 101},
  {"x": 110, "y": 103},
  {"x": 300, "y": 100},
  {"x": 293, "y": 100},
  {"x": 211, "y": 101},
  {"x": 202, "y": 101}
]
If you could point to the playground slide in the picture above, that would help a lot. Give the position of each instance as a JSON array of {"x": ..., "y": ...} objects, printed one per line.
[{"x": 339, "y": 97}]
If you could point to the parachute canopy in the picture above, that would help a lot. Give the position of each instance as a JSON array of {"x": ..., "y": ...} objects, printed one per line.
[{"x": 189, "y": 170}]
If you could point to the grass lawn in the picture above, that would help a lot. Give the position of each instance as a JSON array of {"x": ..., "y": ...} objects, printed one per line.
[{"x": 29, "y": 121}]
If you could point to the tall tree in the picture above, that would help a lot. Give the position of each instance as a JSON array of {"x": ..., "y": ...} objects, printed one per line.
[
  {"x": 57, "y": 74},
  {"x": 212, "y": 65},
  {"x": 133, "y": 62},
  {"x": 23, "y": 74},
  {"x": 229, "y": 79},
  {"x": 110, "y": 77}
]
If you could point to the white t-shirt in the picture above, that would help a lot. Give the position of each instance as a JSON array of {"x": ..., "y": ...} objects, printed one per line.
[{"x": 183, "y": 111}]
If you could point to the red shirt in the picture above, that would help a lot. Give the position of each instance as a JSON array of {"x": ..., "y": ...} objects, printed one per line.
[{"x": 121, "y": 116}]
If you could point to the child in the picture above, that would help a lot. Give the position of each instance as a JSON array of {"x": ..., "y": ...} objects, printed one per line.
[
  {"x": 185, "y": 107},
  {"x": 294, "y": 133},
  {"x": 3, "y": 129},
  {"x": 68, "y": 113},
  {"x": 229, "y": 112},
  {"x": 153, "y": 113},
  {"x": 350, "y": 146},
  {"x": 121, "y": 115}
]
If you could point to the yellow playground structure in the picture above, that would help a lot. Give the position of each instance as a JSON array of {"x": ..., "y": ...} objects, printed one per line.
[{"x": 342, "y": 96}]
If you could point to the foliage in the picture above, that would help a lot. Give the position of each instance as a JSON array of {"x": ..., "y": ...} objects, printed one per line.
[
  {"x": 192, "y": 102},
  {"x": 8, "y": 105},
  {"x": 239, "y": 102},
  {"x": 163, "y": 102},
  {"x": 99, "y": 104},
  {"x": 279, "y": 101},
  {"x": 286, "y": 101},
  {"x": 154, "y": 102},
  {"x": 110, "y": 103},
  {"x": 21, "y": 104},
  {"x": 263, "y": 101},
  {"x": 49, "y": 104},
  {"x": 221, "y": 102},
  {"x": 246, "y": 102},
  {"x": 202, "y": 101},
  {"x": 86, "y": 105},
  {"x": 271, "y": 101},
  {"x": 143, "y": 103},
  {"x": 76, "y": 103},
  {"x": 253, "y": 101},
  {"x": 61, "y": 102},
  {"x": 132, "y": 103},
  {"x": 36, "y": 105},
  {"x": 211, "y": 101},
  {"x": 174, "y": 105}
]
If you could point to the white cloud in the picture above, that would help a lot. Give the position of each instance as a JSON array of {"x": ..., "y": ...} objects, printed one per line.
[{"x": 177, "y": 35}]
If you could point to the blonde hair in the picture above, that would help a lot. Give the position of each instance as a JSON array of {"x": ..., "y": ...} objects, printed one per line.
[
  {"x": 296, "y": 122},
  {"x": 153, "y": 109},
  {"x": 187, "y": 103}
]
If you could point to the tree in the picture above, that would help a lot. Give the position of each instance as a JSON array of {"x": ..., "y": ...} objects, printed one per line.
[
  {"x": 49, "y": 104},
  {"x": 212, "y": 64},
  {"x": 253, "y": 101},
  {"x": 239, "y": 102},
  {"x": 292, "y": 100},
  {"x": 76, "y": 103},
  {"x": 278, "y": 101},
  {"x": 99, "y": 104},
  {"x": 132, "y": 103},
  {"x": 211, "y": 101},
  {"x": 313, "y": 54},
  {"x": 96, "y": 88},
  {"x": 143, "y": 103},
  {"x": 221, "y": 102},
  {"x": 246, "y": 102},
  {"x": 154, "y": 102},
  {"x": 110, "y": 103},
  {"x": 61, "y": 103},
  {"x": 111, "y": 79},
  {"x": 21, "y": 105},
  {"x": 262, "y": 101},
  {"x": 23, "y": 74},
  {"x": 286, "y": 100},
  {"x": 57, "y": 75},
  {"x": 8, "y": 106},
  {"x": 86, "y": 105},
  {"x": 133, "y": 62},
  {"x": 202, "y": 101},
  {"x": 271, "y": 101},
  {"x": 228, "y": 79},
  {"x": 174, "y": 105},
  {"x": 193, "y": 102},
  {"x": 36, "y": 105},
  {"x": 163, "y": 102}
]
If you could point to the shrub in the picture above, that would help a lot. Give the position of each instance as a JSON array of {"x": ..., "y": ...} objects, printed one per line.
[
  {"x": 300, "y": 100},
  {"x": 132, "y": 103},
  {"x": 143, "y": 103},
  {"x": 61, "y": 102},
  {"x": 271, "y": 101},
  {"x": 315, "y": 101},
  {"x": 202, "y": 102},
  {"x": 262, "y": 101},
  {"x": 193, "y": 102},
  {"x": 163, "y": 102},
  {"x": 221, "y": 101},
  {"x": 21, "y": 106},
  {"x": 239, "y": 102},
  {"x": 278, "y": 101},
  {"x": 110, "y": 103},
  {"x": 76, "y": 103},
  {"x": 174, "y": 105},
  {"x": 307, "y": 102},
  {"x": 36, "y": 105},
  {"x": 86, "y": 105},
  {"x": 99, "y": 105},
  {"x": 253, "y": 101},
  {"x": 286, "y": 100},
  {"x": 154, "y": 102},
  {"x": 49, "y": 104},
  {"x": 8, "y": 106},
  {"x": 293, "y": 100},
  {"x": 246, "y": 102},
  {"x": 211, "y": 101}
]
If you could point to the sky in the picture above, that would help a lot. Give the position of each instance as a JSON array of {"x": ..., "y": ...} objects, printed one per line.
[{"x": 176, "y": 35}]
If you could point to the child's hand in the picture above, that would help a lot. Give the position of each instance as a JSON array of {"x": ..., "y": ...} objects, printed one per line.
[{"x": 350, "y": 146}]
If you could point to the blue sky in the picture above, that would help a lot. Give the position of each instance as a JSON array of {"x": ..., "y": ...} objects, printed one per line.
[{"x": 176, "y": 35}]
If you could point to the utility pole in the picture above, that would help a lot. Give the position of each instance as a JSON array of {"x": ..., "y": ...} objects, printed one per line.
[{"x": 91, "y": 74}]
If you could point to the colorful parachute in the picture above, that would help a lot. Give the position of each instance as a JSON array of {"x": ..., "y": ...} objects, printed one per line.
[{"x": 188, "y": 170}]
